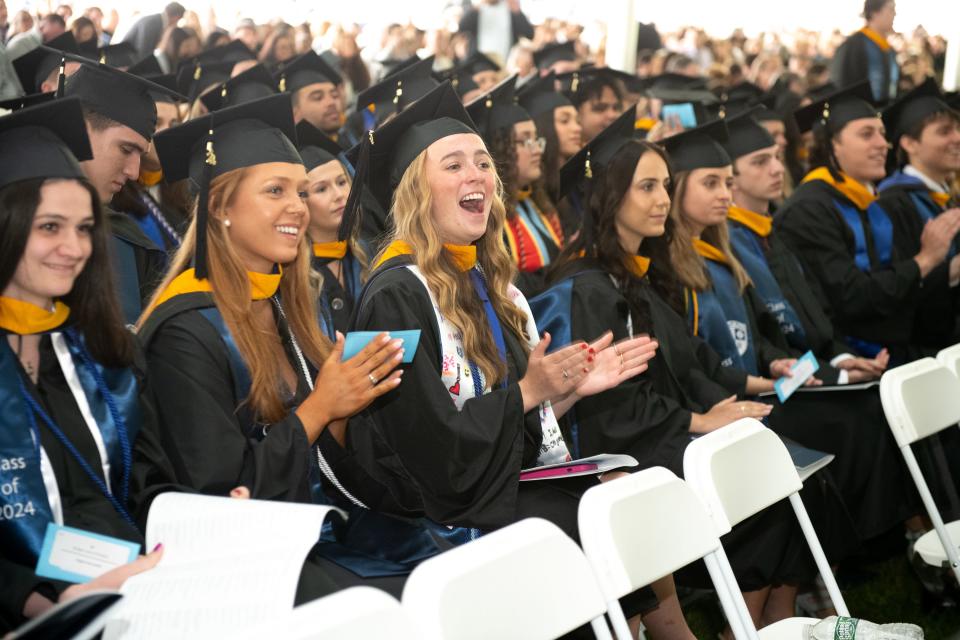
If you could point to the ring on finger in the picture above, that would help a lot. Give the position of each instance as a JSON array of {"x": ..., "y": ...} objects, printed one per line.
[
  {"x": 373, "y": 379},
  {"x": 621, "y": 359},
  {"x": 565, "y": 374},
  {"x": 617, "y": 351}
]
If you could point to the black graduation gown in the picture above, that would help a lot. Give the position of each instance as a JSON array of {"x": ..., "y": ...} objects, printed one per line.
[
  {"x": 136, "y": 279},
  {"x": 935, "y": 324},
  {"x": 649, "y": 416},
  {"x": 877, "y": 306},
  {"x": 84, "y": 506},
  {"x": 458, "y": 468}
]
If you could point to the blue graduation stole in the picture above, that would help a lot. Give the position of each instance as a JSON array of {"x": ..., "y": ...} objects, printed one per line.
[
  {"x": 721, "y": 320},
  {"x": 128, "y": 282},
  {"x": 24, "y": 503},
  {"x": 880, "y": 229},
  {"x": 749, "y": 251},
  {"x": 369, "y": 544},
  {"x": 353, "y": 285}
]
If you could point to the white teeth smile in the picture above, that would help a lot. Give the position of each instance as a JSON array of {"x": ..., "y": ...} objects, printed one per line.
[
  {"x": 287, "y": 229},
  {"x": 472, "y": 196}
]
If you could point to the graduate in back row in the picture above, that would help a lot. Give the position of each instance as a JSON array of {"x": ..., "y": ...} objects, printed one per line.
[{"x": 845, "y": 241}]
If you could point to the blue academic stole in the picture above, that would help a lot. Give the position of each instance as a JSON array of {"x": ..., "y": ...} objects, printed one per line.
[
  {"x": 721, "y": 319},
  {"x": 749, "y": 251},
  {"x": 369, "y": 544},
  {"x": 112, "y": 395},
  {"x": 352, "y": 284},
  {"x": 880, "y": 229}
]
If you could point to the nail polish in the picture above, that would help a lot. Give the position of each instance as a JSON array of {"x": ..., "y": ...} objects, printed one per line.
[{"x": 158, "y": 547}]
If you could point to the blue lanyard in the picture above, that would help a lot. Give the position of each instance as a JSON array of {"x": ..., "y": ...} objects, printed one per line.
[
  {"x": 494, "y": 323},
  {"x": 125, "y": 450}
]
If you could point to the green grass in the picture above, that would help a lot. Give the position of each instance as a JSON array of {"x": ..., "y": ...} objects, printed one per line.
[{"x": 892, "y": 594}]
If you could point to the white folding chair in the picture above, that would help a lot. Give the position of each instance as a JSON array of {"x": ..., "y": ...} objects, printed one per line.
[
  {"x": 528, "y": 580},
  {"x": 641, "y": 527},
  {"x": 950, "y": 358},
  {"x": 739, "y": 470},
  {"x": 920, "y": 399},
  {"x": 358, "y": 612}
]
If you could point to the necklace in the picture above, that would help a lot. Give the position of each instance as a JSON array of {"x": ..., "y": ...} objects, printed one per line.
[{"x": 27, "y": 363}]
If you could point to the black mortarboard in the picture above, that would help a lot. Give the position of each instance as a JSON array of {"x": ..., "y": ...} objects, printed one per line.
[
  {"x": 118, "y": 95},
  {"x": 303, "y": 71},
  {"x": 147, "y": 67},
  {"x": 676, "y": 87},
  {"x": 384, "y": 154},
  {"x": 394, "y": 66},
  {"x": 571, "y": 82},
  {"x": 952, "y": 98},
  {"x": 253, "y": 84},
  {"x": 540, "y": 95},
  {"x": 22, "y": 102},
  {"x": 118, "y": 55},
  {"x": 598, "y": 152},
  {"x": 746, "y": 135},
  {"x": 234, "y": 51},
  {"x": 36, "y": 65},
  {"x": 914, "y": 107},
  {"x": 554, "y": 53},
  {"x": 497, "y": 109},
  {"x": 837, "y": 109},
  {"x": 825, "y": 89},
  {"x": 316, "y": 148},
  {"x": 43, "y": 141},
  {"x": 742, "y": 91},
  {"x": 88, "y": 48},
  {"x": 769, "y": 107},
  {"x": 169, "y": 82},
  {"x": 194, "y": 80},
  {"x": 700, "y": 148},
  {"x": 474, "y": 64},
  {"x": 253, "y": 133},
  {"x": 399, "y": 89}
]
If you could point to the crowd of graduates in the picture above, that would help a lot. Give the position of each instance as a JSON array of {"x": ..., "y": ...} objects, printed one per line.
[{"x": 598, "y": 262}]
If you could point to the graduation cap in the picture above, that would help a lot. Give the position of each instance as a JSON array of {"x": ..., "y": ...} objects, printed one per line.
[
  {"x": 837, "y": 109},
  {"x": 118, "y": 55},
  {"x": 35, "y": 66},
  {"x": 246, "y": 135},
  {"x": 43, "y": 141},
  {"x": 169, "y": 82},
  {"x": 22, "y": 102},
  {"x": 551, "y": 54},
  {"x": 383, "y": 155},
  {"x": 234, "y": 51},
  {"x": 398, "y": 90},
  {"x": 194, "y": 80},
  {"x": 118, "y": 95},
  {"x": 699, "y": 148},
  {"x": 597, "y": 153},
  {"x": 825, "y": 89},
  {"x": 476, "y": 63},
  {"x": 572, "y": 82},
  {"x": 540, "y": 95},
  {"x": 316, "y": 148},
  {"x": 253, "y": 84},
  {"x": 303, "y": 71},
  {"x": 743, "y": 91},
  {"x": 746, "y": 135},
  {"x": 914, "y": 107},
  {"x": 677, "y": 87},
  {"x": 395, "y": 66},
  {"x": 497, "y": 109},
  {"x": 768, "y": 108},
  {"x": 147, "y": 67},
  {"x": 952, "y": 98}
]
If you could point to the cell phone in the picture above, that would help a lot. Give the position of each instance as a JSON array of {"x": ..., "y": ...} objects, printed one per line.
[
  {"x": 683, "y": 112},
  {"x": 557, "y": 472}
]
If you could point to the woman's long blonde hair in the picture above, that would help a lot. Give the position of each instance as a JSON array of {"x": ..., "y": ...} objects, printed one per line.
[
  {"x": 452, "y": 288},
  {"x": 232, "y": 296},
  {"x": 688, "y": 265}
]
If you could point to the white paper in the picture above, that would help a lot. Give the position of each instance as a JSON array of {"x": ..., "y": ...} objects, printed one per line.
[
  {"x": 86, "y": 556},
  {"x": 227, "y": 564}
]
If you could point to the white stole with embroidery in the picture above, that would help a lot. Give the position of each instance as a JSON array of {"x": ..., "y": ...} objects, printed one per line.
[{"x": 456, "y": 375}]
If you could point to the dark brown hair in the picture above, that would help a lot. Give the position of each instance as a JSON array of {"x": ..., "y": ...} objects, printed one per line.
[{"x": 94, "y": 310}]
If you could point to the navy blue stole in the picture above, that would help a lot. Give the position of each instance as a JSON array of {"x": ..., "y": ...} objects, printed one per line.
[
  {"x": 721, "y": 320},
  {"x": 880, "y": 231},
  {"x": 112, "y": 395},
  {"x": 750, "y": 252},
  {"x": 352, "y": 285}
]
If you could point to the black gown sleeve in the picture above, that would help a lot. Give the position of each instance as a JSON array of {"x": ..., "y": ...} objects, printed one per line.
[
  {"x": 632, "y": 418},
  {"x": 208, "y": 447},
  {"x": 17, "y": 582},
  {"x": 460, "y": 467},
  {"x": 732, "y": 380},
  {"x": 817, "y": 235}
]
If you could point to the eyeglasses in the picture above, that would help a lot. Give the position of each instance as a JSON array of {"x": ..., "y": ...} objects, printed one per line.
[{"x": 534, "y": 144}]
